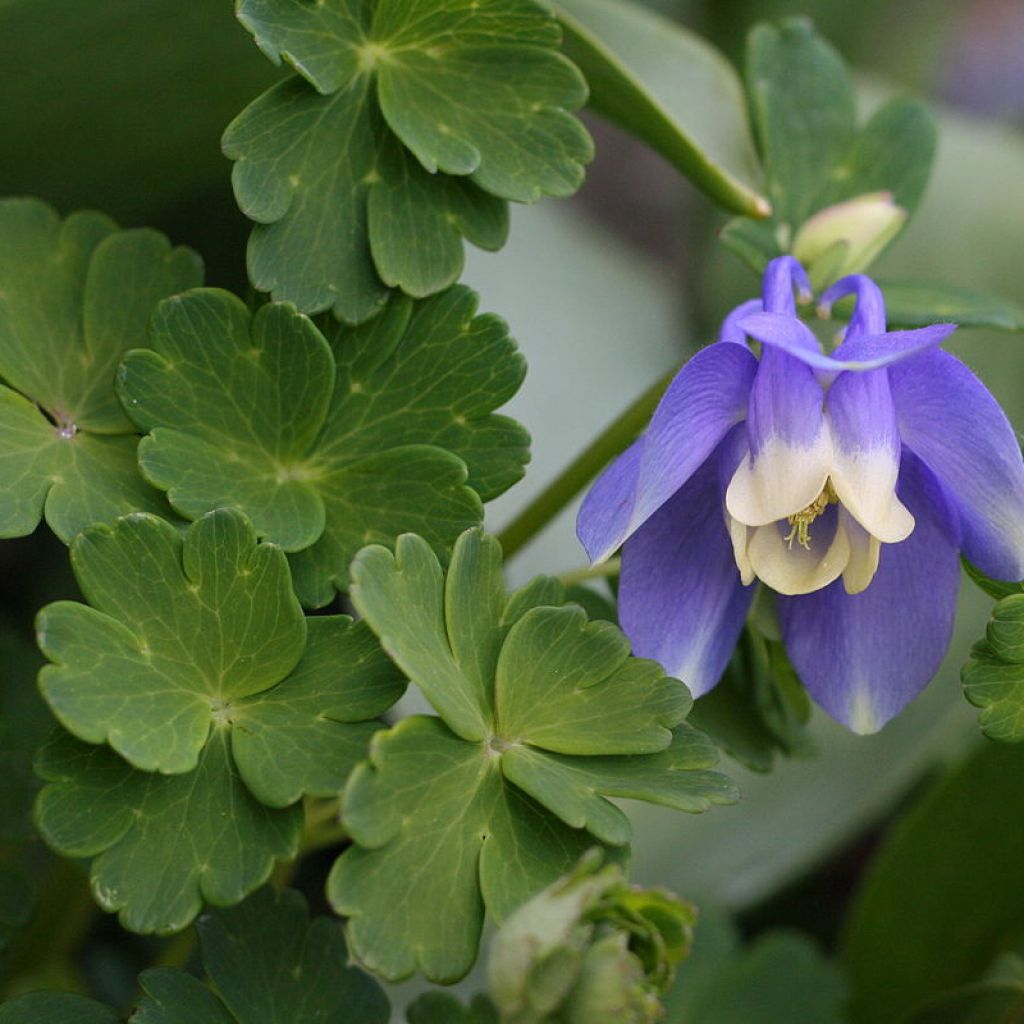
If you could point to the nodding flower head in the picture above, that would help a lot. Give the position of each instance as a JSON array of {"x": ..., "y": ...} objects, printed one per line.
[{"x": 846, "y": 482}]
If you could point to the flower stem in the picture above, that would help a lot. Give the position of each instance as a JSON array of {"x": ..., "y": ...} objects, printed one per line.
[
  {"x": 592, "y": 572},
  {"x": 609, "y": 443}
]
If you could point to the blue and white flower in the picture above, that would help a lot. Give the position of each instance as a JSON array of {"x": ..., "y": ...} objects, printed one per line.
[{"x": 846, "y": 483}]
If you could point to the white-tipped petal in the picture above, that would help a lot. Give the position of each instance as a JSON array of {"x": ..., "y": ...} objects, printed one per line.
[
  {"x": 790, "y": 444},
  {"x": 780, "y": 480},
  {"x": 865, "y": 482},
  {"x": 789, "y": 568},
  {"x": 866, "y": 453}
]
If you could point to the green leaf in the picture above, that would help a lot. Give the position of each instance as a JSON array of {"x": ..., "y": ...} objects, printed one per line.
[
  {"x": 576, "y": 790},
  {"x": 893, "y": 152},
  {"x": 271, "y": 965},
  {"x": 804, "y": 116},
  {"x": 265, "y": 963},
  {"x": 993, "y": 677},
  {"x": 341, "y": 175},
  {"x": 917, "y": 304},
  {"x": 329, "y": 451},
  {"x": 997, "y": 589},
  {"x": 940, "y": 903},
  {"x": 74, "y": 296},
  {"x": 816, "y": 157},
  {"x": 548, "y": 677},
  {"x": 196, "y": 660},
  {"x": 985, "y": 1003},
  {"x": 756, "y": 242},
  {"x": 173, "y": 997},
  {"x": 780, "y": 979},
  {"x": 439, "y": 836},
  {"x": 178, "y": 630},
  {"x": 441, "y": 1008},
  {"x": 596, "y": 604},
  {"x": 305, "y": 735},
  {"x": 470, "y": 89},
  {"x": 57, "y": 1008},
  {"x": 162, "y": 844},
  {"x": 758, "y": 710},
  {"x": 543, "y": 716},
  {"x": 671, "y": 89}
]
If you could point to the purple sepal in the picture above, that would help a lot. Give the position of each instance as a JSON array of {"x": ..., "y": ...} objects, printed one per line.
[
  {"x": 864, "y": 657},
  {"x": 681, "y": 601}
]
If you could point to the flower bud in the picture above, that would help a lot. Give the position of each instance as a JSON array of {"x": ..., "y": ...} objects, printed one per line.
[
  {"x": 589, "y": 949},
  {"x": 846, "y": 238}
]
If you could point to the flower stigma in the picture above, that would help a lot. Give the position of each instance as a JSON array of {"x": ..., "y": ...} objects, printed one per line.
[{"x": 801, "y": 521}]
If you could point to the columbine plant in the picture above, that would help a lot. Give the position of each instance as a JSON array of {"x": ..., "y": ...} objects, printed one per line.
[
  {"x": 221, "y": 467},
  {"x": 846, "y": 483}
]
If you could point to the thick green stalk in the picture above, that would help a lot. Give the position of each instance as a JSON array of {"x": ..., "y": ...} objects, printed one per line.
[{"x": 615, "y": 438}]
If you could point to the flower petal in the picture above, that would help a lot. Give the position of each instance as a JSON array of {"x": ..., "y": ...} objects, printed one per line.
[
  {"x": 781, "y": 275},
  {"x": 790, "y": 447},
  {"x": 788, "y": 567},
  {"x": 681, "y": 601},
  {"x": 604, "y": 516},
  {"x": 868, "y": 308},
  {"x": 866, "y": 453},
  {"x": 865, "y": 552},
  {"x": 872, "y": 351},
  {"x": 707, "y": 397},
  {"x": 730, "y": 331},
  {"x": 863, "y": 352},
  {"x": 950, "y": 419},
  {"x": 863, "y": 657}
]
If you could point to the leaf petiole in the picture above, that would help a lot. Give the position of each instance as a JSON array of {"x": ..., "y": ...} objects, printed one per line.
[{"x": 609, "y": 443}]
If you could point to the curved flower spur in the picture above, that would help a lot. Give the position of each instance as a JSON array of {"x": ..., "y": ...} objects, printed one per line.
[{"x": 846, "y": 483}]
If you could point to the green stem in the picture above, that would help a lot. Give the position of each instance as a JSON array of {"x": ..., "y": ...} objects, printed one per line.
[
  {"x": 613, "y": 440},
  {"x": 592, "y": 572}
]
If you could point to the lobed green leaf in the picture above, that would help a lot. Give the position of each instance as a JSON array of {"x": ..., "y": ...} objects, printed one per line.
[
  {"x": 404, "y": 135},
  {"x": 816, "y": 156},
  {"x": 57, "y": 1008},
  {"x": 328, "y": 445},
  {"x": 162, "y": 844},
  {"x": 74, "y": 296},
  {"x": 993, "y": 678},
  {"x": 177, "y": 631},
  {"x": 265, "y": 963},
  {"x": 196, "y": 664},
  {"x": 543, "y": 717}
]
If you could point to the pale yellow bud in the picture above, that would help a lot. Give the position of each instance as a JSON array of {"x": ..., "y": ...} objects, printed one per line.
[{"x": 846, "y": 238}]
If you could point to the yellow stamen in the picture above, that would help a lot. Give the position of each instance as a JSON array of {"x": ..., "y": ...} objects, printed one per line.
[{"x": 801, "y": 521}]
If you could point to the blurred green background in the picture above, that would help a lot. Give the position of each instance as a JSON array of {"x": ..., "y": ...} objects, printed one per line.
[{"x": 118, "y": 105}]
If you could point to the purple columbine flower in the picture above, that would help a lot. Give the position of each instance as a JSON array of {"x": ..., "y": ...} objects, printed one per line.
[{"x": 846, "y": 483}]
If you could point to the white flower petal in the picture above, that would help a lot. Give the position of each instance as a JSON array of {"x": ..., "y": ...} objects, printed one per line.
[
  {"x": 864, "y": 554},
  {"x": 792, "y": 569},
  {"x": 780, "y": 480}
]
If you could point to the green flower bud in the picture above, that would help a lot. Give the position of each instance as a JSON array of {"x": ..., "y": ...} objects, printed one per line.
[
  {"x": 589, "y": 949},
  {"x": 846, "y": 238}
]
